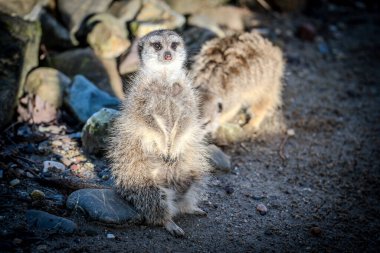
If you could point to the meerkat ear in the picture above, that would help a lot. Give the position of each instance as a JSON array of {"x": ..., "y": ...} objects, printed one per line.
[{"x": 177, "y": 89}]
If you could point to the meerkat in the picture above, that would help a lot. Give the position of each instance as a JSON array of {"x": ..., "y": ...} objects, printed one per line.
[
  {"x": 235, "y": 72},
  {"x": 158, "y": 157}
]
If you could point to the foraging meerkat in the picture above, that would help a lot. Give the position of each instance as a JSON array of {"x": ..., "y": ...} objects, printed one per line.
[
  {"x": 235, "y": 72},
  {"x": 158, "y": 157}
]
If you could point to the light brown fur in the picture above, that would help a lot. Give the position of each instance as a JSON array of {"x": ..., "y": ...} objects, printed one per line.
[
  {"x": 158, "y": 157},
  {"x": 239, "y": 71}
]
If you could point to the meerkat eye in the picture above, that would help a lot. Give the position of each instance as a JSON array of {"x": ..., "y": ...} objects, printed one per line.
[
  {"x": 220, "y": 107},
  {"x": 157, "y": 46},
  {"x": 174, "y": 45}
]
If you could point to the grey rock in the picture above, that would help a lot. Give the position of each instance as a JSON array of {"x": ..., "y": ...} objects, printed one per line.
[
  {"x": 45, "y": 222},
  {"x": 219, "y": 160},
  {"x": 95, "y": 131},
  {"x": 73, "y": 13},
  {"x": 194, "y": 6},
  {"x": 84, "y": 98},
  {"x": 229, "y": 133},
  {"x": 37, "y": 195},
  {"x": 54, "y": 35},
  {"x": 207, "y": 23},
  {"x": 125, "y": 10},
  {"x": 48, "y": 84},
  {"x": 108, "y": 37},
  {"x": 14, "y": 182},
  {"x": 102, "y": 205},
  {"x": 156, "y": 15},
  {"x": 83, "y": 61},
  {"x": 262, "y": 209},
  {"x": 19, "y": 47},
  {"x": 230, "y": 17},
  {"x": 45, "y": 91},
  {"x": 110, "y": 236},
  {"x": 27, "y": 9}
]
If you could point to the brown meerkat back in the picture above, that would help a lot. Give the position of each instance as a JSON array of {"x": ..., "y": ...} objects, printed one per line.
[
  {"x": 157, "y": 154},
  {"x": 239, "y": 71}
]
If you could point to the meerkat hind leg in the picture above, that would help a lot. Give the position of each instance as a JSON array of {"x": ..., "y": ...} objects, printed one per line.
[
  {"x": 174, "y": 229},
  {"x": 189, "y": 204}
]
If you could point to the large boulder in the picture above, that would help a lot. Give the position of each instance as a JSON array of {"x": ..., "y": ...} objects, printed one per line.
[
  {"x": 219, "y": 160},
  {"x": 40, "y": 221},
  {"x": 44, "y": 87},
  {"x": 84, "y": 99},
  {"x": 74, "y": 12},
  {"x": 155, "y": 15},
  {"x": 102, "y": 205},
  {"x": 194, "y": 6},
  {"x": 19, "y": 47},
  {"x": 83, "y": 61},
  {"x": 125, "y": 10},
  {"x": 108, "y": 37},
  {"x": 54, "y": 35},
  {"x": 26, "y": 9},
  {"x": 95, "y": 131}
]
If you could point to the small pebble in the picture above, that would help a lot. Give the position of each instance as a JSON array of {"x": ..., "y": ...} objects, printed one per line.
[
  {"x": 66, "y": 161},
  {"x": 262, "y": 209},
  {"x": 307, "y": 32},
  {"x": 290, "y": 132},
  {"x": 17, "y": 241},
  {"x": 316, "y": 231},
  {"x": 57, "y": 143},
  {"x": 229, "y": 189},
  {"x": 110, "y": 236},
  {"x": 37, "y": 195},
  {"x": 14, "y": 182},
  {"x": 42, "y": 247},
  {"x": 53, "y": 165},
  {"x": 29, "y": 175}
]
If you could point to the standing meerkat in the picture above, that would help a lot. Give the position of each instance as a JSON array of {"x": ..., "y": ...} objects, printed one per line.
[
  {"x": 242, "y": 71},
  {"x": 157, "y": 154}
]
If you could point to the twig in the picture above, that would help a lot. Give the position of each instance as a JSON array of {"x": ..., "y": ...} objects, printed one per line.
[
  {"x": 282, "y": 146},
  {"x": 69, "y": 184},
  {"x": 244, "y": 147},
  {"x": 25, "y": 159},
  {"x": 264, "y": 4}
]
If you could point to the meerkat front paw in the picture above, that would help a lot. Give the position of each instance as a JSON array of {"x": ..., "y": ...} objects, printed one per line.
[{"x": 174, "y": 229}]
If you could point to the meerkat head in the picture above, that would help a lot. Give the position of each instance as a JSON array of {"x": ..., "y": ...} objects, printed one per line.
[
  {"x": 211, "y": 108},
  {"x": 162, "y": 49}
]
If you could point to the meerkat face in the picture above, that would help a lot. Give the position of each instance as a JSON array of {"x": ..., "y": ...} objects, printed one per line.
[
  {"x": 211, "y": 110},
  {"x": 162, "y": 49}
]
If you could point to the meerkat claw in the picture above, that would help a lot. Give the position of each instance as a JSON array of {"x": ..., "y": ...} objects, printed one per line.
[
  {"x": 174, "y": 229},
  {"x": 200, "y": 212}
]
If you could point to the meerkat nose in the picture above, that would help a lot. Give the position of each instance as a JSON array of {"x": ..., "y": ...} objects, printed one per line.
[{"x": 167, "y": 56}]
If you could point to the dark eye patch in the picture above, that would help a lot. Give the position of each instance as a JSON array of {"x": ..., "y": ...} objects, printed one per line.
[
  {"x": 156, "y": 45},
  {"x": 220, "y": 107},
  {"x": 174, "y": 45}
]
